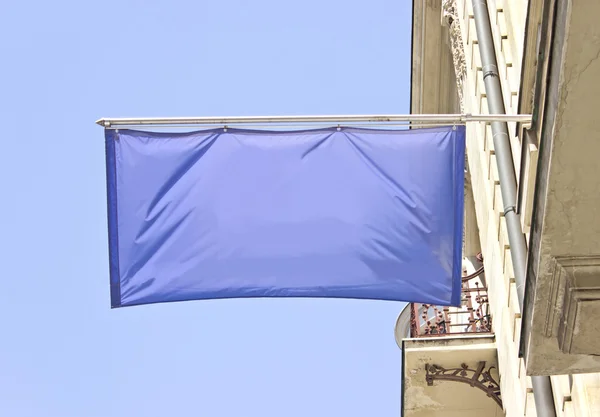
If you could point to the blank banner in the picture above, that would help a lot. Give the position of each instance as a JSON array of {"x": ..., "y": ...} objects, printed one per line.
[{"x": 340, "y": 213}]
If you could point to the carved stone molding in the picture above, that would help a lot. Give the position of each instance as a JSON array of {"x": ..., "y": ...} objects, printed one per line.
[
  {"x": 573, "y": 304},
  {"x": 450, "y": 16},
  {"x": 478, "y": 378}
]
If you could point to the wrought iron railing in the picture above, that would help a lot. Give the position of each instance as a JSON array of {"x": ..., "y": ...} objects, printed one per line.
[{"x": 473, "y": 316}]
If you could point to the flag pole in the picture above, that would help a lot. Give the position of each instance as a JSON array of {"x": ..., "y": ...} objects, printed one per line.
[{"x": 336, "y": 119}]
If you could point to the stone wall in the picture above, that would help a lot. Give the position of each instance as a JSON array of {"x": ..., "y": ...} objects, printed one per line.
[
  {"x": 576, "y": 395},
  {"x": 508, "y": 32}
]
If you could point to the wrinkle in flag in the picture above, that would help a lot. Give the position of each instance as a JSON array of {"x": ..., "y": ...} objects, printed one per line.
[{"x": 340, "y": 213}]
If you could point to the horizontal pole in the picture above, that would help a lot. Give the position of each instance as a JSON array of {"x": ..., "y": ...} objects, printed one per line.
[{"x": 375, "y": 119}]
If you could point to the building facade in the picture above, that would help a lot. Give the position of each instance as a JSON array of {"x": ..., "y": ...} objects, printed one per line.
[{"x": 525, "y": 341}]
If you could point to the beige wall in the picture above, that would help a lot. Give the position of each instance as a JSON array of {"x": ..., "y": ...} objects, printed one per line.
[
  {"x": 577, "y": 395},
  {"x": 508, "y": 22},
  {"x": 574, "y": 396}
]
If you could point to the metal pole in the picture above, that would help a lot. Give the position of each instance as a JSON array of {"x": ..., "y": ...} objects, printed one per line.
[
  {"x": 542, "y": 387},
  {"x": 380, "y": 119}
]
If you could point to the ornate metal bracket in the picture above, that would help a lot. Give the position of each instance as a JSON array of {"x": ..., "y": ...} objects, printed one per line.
[{"x": 479, "y": 378}]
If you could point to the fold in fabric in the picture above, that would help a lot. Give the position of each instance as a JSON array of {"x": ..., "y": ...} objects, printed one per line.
[{"x": 348, "y": 213}]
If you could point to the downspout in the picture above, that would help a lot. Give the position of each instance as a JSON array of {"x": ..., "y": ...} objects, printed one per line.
[{"x": 542, "y": 387}]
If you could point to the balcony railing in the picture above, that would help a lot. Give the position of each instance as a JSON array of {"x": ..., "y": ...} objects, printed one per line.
[{"x": 473, "y": 316}]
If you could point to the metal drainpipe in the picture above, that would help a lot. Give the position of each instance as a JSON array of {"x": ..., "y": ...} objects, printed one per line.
[{"x": 542, "y": 387}]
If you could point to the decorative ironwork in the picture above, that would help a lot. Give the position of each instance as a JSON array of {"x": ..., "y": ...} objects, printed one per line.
[
  {"x": 473, "y": 316},
  {"x": 478, "y": 378}
]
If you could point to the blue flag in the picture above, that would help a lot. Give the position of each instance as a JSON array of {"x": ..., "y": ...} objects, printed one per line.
[{"x": 228, "y": 213}]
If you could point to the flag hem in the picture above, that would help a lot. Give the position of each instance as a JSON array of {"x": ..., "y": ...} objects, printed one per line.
[
  {"x": 459, "y": 141},
  {"x": 112, "y": 211}
]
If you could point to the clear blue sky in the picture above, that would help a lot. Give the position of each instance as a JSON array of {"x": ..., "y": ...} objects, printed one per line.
[{"x": 63, "y": 352}]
